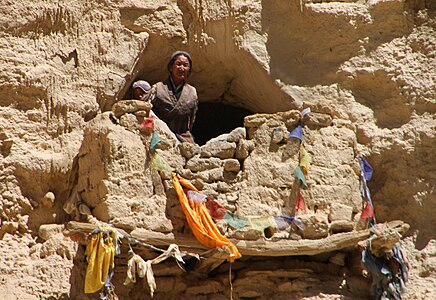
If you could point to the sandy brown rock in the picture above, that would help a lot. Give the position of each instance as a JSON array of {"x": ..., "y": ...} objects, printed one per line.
[{"x": 366, "y": 70}]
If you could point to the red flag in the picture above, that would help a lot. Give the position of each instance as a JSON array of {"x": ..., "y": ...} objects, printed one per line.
[
  {"x": 147, "y": 125},
  {"x": 368, "y": 211},
  {"x": 216, "y": 210},
  {"x": 299, "y": 203}
]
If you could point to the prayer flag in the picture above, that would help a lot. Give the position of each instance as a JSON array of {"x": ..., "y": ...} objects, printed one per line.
[
  {"x": 147, "y": 125},
  {"x": 305, "y": 111},
  {"x": 260, "y": 223},
  {"x": 284, "y": 222},
  {"x": 366, "y": 169},
  {"x": 305, "y": 159},
  {"x": 196, "y": 197},
  {"x": 299, "y": 203},
  {"x": 299, "y": 174},
  {"x": 216, "y": 210},
  {"x": 297, "y": 133},
  {"x": 368, "y": 211},
  {"x": 100, "y": 251},
  {"x": 299, "y": 223},
  {"x": 235, "y": 221},
  {"x": 155, "y": 139},
  {"x": 160, "y": 164}
]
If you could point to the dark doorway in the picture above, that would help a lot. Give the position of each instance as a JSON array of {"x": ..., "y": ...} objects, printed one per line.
[{"x": 214, "y": 119}]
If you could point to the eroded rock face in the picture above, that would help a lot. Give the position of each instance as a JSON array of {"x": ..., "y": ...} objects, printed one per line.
[{"x": 366, "y": 70}]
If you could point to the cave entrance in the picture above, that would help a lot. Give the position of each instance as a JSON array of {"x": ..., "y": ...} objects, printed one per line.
[{"x": 214, "y": 119}]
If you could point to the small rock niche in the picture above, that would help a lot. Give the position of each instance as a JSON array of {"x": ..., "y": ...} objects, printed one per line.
[{"x": 214, "y": 119}]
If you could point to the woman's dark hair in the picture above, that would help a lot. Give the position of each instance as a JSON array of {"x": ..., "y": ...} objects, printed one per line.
[{"x": 174, "y": 57}]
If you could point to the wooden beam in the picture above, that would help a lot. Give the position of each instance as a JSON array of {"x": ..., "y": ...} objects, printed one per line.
[
  {"x": 331, "y": 243},
  {"x": 302, "y": 247}
]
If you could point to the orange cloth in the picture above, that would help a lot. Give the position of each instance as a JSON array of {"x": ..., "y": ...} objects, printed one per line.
[{"x": 200, "y": 222}]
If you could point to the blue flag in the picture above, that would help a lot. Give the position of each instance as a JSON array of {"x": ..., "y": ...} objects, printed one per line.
[
  {"x": 366, "y": 169},
  {"x": 297, "y": 133}
]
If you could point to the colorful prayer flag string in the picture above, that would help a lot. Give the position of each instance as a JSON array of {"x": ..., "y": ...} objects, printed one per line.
[
  {"x": 301, "y": 171},
  {"x": 366, "y": 175}
]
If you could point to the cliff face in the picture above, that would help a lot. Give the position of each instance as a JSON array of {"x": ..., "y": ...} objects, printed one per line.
[{"x": 365, "y": 69}]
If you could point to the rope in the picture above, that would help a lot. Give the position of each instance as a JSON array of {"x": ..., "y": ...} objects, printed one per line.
[{"x": 230, "y": 281}]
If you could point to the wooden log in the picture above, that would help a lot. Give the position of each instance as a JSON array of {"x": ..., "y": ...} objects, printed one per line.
[
  {"x": 302, "y": 247},
  {"x": 384, "y": 237},
  {"x": 331, "y": 243},
  {"x": 151, "y": 238}
]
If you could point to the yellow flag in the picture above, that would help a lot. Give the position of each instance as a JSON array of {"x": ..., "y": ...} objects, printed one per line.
[{"x": 305, "y": 159}]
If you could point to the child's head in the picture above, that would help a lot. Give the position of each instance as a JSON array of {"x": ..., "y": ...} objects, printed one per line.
[{"x": 140, "y": 89}]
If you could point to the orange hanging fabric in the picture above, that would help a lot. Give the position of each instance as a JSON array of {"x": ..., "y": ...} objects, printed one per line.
[{"x": 200, "y": 222}]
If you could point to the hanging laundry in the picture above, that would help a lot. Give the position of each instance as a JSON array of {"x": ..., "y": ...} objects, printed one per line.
[
  {"x": 155, "y": 139},
  {"x": 300, "y": 205},
  {"x": 200, "y": 222},
  {"x": 389, "y": 273},
  {"x": 401, "y": 259},
  {"x": 366, "y": 169},
  {"x": 297, "y": 133},
  {"x": 300, "y": 176},
  {"x": 160, "y": 164},
  {"x": 305, "y": 160},
  {"x": 216, "y": 210},
  {"x": 137, "y": 265},
  {"x": 100, "y": 252}
]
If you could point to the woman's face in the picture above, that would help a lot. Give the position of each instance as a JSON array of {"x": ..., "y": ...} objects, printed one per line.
[{"x": 180, "y": 69}]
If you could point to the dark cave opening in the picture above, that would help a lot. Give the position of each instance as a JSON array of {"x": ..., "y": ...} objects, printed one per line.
[{"x": 214, "y": 119}]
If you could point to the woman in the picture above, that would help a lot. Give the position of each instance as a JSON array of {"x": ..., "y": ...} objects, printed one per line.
[{"x": 175, "y": 101}]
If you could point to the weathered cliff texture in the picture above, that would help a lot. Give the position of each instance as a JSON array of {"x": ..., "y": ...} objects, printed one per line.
[{"x": 366, "y": 69}]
